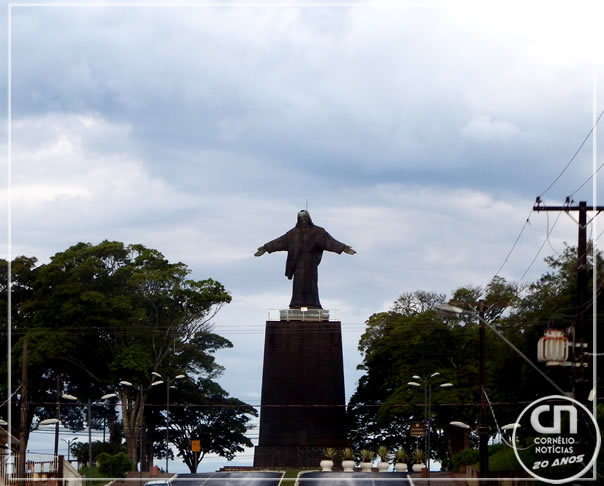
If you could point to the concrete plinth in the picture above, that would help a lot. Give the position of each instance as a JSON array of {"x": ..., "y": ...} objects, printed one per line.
[{"x": 303, "y": 401}]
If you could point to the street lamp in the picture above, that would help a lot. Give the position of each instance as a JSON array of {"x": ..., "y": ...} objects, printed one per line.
[
  {"x": 168, "y": 380},
  {"x": 69, "y": 442},
  {"x": 65, "y": 396},
  {"x": 140, "y": 415},
  {"x": 50, "y": 421},
  {"x": 502, "y": 429},
  {"x": 89, "y": 415},
  {"x": 483, "y": 428},
  {"x": 427, "y": 384},
  {"x": 456, "y": 423}
]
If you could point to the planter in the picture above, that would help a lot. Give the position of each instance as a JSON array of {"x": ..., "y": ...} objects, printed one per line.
[
  {"x": 383, "y": 466},
  {"x": 348, "y": 465},
  {"x": 366, "y": 466},
  {"x": 418, "y": 467},
  {"x": 326, "y": 465},
  {"x": 400, "y": 467}
]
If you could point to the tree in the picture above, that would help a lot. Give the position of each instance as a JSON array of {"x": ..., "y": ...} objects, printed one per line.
[
  {"x": 205, "y": 412},
  {"x": 81, "y": 451},
  {"x": 25, "y": 375},
  {"x": 113, "y": 465},
  {"x": 142, "y": 313},
  {"x": 383, "y": 406},
  {"x": 413, "y": 339}
]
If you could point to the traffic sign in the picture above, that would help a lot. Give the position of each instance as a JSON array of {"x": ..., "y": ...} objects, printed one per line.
[{"x": 417, "y": 429}]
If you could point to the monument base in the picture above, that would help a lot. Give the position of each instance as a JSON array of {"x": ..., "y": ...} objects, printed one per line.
[
  {"x": 284, "y": 456},
  {"x": 303, "y": 404}
]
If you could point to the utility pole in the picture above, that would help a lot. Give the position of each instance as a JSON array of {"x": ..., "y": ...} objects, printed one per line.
[
  {"x": 58, "y": 415},
  {"x": 483, "y": 428},
  {"x": 582, "y": 280},
  {"x": 23, "y": 415}
]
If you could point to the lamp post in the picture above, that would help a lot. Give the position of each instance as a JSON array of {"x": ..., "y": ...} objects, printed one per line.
[
  {"x": 89, "y": 416},
  {"x": 140, "y": 416},
  {"x": 58, "y": 415},
  {"x": 69, "y": 442},
  {"x": 483, "y": 430},
  {"x": 502, "y": 429},
  {"x": 168, "y": 380},
  {"x": 427, "y": 384}
]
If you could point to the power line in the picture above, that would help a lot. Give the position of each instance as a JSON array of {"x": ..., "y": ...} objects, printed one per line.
[
  {"x": 540, "y": 248},
  {"x": 574, "y": 156},
  {"x": 587, "y": 180},
  {"x": 527, "y": 221}
]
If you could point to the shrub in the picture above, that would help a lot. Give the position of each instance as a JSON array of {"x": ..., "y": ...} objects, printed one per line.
[
  {"x": 367, "y": 455},
  {"x": 495, "y": 448},
  {"x": 329, "y": 453},
  {"x": 113, "y": 465},
  {"x": 465, "y": 458},
  {"x": 418, "y": 456},
  {"x": 80, "y": 451},
  {"x": 347, "y": 454},
  {"x": 401, "y": 456},
  {"x": 383, "y": 452}
]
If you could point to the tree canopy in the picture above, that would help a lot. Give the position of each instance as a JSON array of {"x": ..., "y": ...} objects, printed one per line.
[
  {"x": 412, "y": 339},
  {"x": 98, "y": 315}
]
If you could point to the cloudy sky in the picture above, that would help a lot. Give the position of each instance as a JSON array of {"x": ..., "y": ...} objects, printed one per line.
[{"x": 420, "y": 133}]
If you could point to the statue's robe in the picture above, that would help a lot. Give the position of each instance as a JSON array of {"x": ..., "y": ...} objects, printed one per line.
[{"x": 305, "y": 246}]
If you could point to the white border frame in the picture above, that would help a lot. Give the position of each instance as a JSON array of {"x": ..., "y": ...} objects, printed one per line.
[{"x": 252, "y": 4}]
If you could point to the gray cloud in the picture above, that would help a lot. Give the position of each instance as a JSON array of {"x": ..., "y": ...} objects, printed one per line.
[{"x": 428, "y": 96}]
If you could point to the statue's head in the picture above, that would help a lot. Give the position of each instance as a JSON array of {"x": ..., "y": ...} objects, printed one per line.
[{"x": 304, "y": 218}]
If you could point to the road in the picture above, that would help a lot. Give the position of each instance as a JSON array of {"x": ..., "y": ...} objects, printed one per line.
[
  {"x": 354, "y": 479},
  {"x": 307, "y": 479},
  {"x": 228, "y": 479}
]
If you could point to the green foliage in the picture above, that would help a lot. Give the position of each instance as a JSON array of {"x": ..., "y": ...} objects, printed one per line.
[
  {"x": 347, "y": 454},
  {"x": 94, "y": 473},
  {"x": 383, "y": 453},
  {"x": 413, "y": 339},
  {"x": 395, "y": 348},
  {"x": 79, "y": 450},
  {"x": 290, "y": 477},
  {"x": 401, "y": 455},
  {"x": 495, "y": 448},
  {"x": 366, "y": 455},
  {"x": 113, "y": 465},
  {"x": 329, "y": 453},
  {"x": 467, "y": 457},
  {"x": 209, "y": 414},
  {"x": 418, "y": 456},
  {"x": 504, "y": 460},
  {"x": 141, "y": 312}
]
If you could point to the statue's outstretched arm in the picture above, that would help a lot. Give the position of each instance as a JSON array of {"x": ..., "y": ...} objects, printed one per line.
[
  {"x": 348, "y": 250},
  {"x": 261, "y": 251}
]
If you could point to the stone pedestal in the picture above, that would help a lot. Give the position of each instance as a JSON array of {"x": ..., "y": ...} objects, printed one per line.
[{"x": 303, "y": 401}]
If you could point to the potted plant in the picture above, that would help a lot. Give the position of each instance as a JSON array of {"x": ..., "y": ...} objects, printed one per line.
[
  {"x": 400, "y": 460},
  {"x": 329, "y": 455},
  {"x": 348, "y": 459},
  {"x": 383, "y": 453},
  {"x": 366, "y": 460},
  {"x": 418, "y": 460}
]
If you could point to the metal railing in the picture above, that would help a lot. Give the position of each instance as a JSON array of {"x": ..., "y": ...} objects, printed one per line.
[
  {"x": 311, "y": 315},
  {"x": 38, "y": 469}
]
